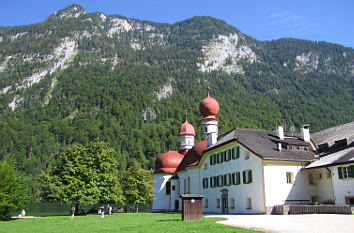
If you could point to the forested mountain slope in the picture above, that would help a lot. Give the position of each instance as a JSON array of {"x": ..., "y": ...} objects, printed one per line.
[{"x": 79, "y": 76}]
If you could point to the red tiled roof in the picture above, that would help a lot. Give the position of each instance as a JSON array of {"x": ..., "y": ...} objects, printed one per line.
[{"x": 193, "y": 155}]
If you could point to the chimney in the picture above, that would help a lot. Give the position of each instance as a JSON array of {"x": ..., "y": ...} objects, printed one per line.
[
  {"x": 305, "y": 133},
  {"x": 280, "y": 132},
  {"x": 280, "y": 147}
]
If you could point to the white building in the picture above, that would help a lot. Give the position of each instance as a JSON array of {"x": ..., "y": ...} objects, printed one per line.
[
  {"x": 250, "y": 171},
  {"x": 334, "y": 170}
]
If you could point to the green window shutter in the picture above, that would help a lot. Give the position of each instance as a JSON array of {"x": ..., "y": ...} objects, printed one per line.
[
  {"x": 244, "y": 177},
  {"x": 237, "y": 152},
  {"x": 340, "y": 174},
  {"x": 233, "y": 153},
  {"x": 351, "y": 169},
  {"x": 211, "y": 160}
]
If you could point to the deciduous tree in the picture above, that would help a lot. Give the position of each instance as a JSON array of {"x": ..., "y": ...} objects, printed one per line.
[
  {"x": 137, "y": 185},
  {"x": 84, "y": 175},
  {"x": 13, "y": 189}
]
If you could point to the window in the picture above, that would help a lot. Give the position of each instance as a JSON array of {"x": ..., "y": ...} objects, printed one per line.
[
  {"x": 189, "y": 185},
  {"x": 168, "y": 187},
  {"x": 247, "y": 154},
  {"x": 249, "y": 203},
  {"x": 220, "y": 157},
  {"x": 236, "y": 153},
  {"x": 236, "y": 178},
  {"x": 212, "y": 181},
  {"x": 311, "y": 178},
  {"x": 212, "y": 159},
  {"x": 227, "y": 155},
  {"x": 219, "y": 181},
  {"x": 173, "y": 187},
  {"x": 205, "y": 183},
  {"x": 218, "y": 203},
  {"x": 346, "y": 172},
  {"x": 289, "y": 177},
  {"x": 205, "y": 166},
  {"x": 349, "y": 200},
  {"x": 247, "y": 176},
  {"x": 227, "y": 179},
  {"x": 206, "y": 203},
  {"x": 314, "y": 199},
  {"x": 323, "y": 148},
  {"x": 232, "y": 203}
]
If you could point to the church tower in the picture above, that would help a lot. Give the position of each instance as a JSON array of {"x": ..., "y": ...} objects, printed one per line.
[
  {"x": 209, "y": 108},
  {"x": 186, "y": 137}
]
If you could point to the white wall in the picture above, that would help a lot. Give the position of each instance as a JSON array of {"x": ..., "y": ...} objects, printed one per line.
[
  {"x": 324, "y": 185},
  {"x": 239, "y": 192},
  {"x": 161, "y": 201},
  {"x": 194, "y": 187},
  {"x": 174, "y": 193},
  {"x": 342, "y": 187},
  {"x": 278, "y": 191}
]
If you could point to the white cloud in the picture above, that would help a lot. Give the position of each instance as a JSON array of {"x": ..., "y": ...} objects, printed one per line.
[{"x": 296, "y": 24}]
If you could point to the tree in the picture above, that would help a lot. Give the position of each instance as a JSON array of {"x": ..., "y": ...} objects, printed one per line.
[
  {"x": 13, "y": 189},
  {"x": 85, "y": 175},
  {"x": 137, "y": 185}
]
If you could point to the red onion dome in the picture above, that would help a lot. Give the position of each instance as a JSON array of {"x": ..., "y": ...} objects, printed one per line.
[
  {"x": 209, "y": 107},
  {"x": 168, "y": 162},
  {"x": 186, "y": 129}
]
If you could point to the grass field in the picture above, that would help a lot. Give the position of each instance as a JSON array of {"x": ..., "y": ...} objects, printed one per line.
[{"x": 124, "y": 222}]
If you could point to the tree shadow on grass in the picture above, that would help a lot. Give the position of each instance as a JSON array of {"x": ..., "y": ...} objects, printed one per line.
[{"x": 169, "y": 220}]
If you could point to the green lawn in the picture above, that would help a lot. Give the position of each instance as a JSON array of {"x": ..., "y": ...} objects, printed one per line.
[{"x": 130, "y": 222}]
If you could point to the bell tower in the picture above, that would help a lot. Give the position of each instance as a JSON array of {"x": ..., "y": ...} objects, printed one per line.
[
  {"x": 186, "y": 137},
  {"x": 209, "y": 108}
]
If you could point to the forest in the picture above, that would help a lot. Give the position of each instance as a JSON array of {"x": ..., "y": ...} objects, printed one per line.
[{"x": 111, "y": 90}]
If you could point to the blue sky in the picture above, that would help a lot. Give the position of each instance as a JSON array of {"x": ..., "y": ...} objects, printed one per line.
[{"x": 320, "y": 20}]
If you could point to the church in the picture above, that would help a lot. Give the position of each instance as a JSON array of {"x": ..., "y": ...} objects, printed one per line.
[{"x": 250, "y": 171}]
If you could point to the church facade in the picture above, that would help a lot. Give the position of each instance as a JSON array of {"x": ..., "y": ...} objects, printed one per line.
[{"x": 249, "y": 171}]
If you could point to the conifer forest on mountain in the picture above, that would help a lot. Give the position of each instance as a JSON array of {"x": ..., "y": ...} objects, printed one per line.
[{"x": 79, "y": 77}]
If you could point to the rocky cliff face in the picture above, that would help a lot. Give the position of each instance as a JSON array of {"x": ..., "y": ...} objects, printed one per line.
[{"x": 32, "y": 53}]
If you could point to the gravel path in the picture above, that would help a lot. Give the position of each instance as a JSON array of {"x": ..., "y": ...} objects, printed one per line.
[{"x": 305, "y": 223}]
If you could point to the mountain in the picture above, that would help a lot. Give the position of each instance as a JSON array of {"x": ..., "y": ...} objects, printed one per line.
[{"x": 78, "y": 77}]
